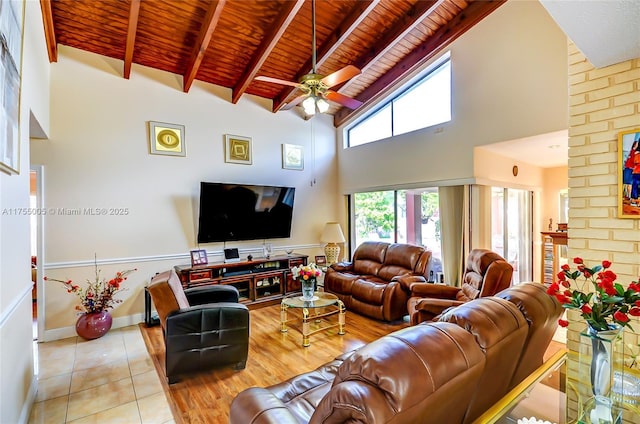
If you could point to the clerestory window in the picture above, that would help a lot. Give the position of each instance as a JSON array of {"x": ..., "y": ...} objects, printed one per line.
[{"x": 422, "y": 104}]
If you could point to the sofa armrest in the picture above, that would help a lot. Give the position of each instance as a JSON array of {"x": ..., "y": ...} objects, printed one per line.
[
  {"x": 436, "y": 306},
  {"x": 341, "y": 267},
  {"x": 212, "y": 294},
  {"x": 437, "y": 291},
  {"x": 258, "y": 405},
  {"x": 406, "y": 281}
]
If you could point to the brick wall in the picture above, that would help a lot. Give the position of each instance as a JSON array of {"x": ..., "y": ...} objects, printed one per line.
[{"x": 602, "y": 103}]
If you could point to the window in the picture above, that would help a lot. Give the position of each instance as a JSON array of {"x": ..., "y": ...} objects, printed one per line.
[
  {"x": 400, "y": 216},
  {"x": 425, "y": 103}
]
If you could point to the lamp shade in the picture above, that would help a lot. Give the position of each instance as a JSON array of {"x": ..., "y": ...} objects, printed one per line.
[{"x": 332, "y": 233}]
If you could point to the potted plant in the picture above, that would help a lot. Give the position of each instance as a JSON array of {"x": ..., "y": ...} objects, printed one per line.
[{"x": 96, "y": 299}]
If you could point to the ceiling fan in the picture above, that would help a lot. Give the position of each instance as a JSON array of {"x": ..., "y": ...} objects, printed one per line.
[{"x": 315, "y": 87}]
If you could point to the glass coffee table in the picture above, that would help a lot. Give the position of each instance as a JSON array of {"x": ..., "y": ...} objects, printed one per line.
[{"x": 319, "y": 313}]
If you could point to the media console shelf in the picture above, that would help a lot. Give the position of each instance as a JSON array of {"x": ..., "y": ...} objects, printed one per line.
[{"x": 259, "y": 280}]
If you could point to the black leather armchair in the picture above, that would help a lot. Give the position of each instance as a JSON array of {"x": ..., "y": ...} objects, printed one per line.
[{"x": 203, "y": 327}]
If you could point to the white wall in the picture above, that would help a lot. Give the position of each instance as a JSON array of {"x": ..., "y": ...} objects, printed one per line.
[
  {"x": 555, "y": 180},
  {"x": 17, "y": 379},
  {"x": 97, "y": 156},
  {"x": 509, "y": 79}
]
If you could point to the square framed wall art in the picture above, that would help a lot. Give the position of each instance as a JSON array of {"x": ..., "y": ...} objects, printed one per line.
[
  {"x": 166, "y": 139},
  {"x": 292, "y": 157},
  {"x": 629, "y": 174},
  {"x": 237, "y": 149}
]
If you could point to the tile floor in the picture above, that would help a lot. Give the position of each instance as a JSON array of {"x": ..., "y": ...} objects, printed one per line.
[{"x": 107, "y": 380}]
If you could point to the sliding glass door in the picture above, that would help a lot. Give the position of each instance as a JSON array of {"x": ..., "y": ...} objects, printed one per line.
[
  {"x": 511, "y": 229},
  {"x": 400, "y": 216}
]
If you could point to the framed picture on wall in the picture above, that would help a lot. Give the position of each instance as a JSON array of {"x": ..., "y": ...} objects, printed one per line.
[
  {"x": 166, "y": 139},
  {"x": 237, "y": 149},
  {"x": 629, "y": 174},
  {"x": 292, "y": 157},
  {"x": 11, "y": 21}
]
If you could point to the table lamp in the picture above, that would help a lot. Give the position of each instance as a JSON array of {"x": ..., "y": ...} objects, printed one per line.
[{"x": 332, "y": 235}]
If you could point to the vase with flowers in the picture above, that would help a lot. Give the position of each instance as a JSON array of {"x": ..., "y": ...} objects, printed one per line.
[
  {"x": 606, "y": 306},
  {"x": 308, "y": 275},
  {"x": 96, "y": 299}
]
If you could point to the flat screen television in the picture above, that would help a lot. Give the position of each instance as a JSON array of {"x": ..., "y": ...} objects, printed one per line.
[{"x": 231, "y": 212}]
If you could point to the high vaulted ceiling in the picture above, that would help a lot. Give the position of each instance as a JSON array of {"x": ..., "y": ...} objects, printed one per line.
[{"x": 230, "y": 42}]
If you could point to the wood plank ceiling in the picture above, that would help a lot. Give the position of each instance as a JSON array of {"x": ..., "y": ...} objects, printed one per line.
[{"x": 230, "y": 42}]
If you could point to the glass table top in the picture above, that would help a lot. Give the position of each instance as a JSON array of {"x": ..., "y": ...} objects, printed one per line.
[
  {"x": 551, "y": 395},
  {"x": 320, "y": 300}
]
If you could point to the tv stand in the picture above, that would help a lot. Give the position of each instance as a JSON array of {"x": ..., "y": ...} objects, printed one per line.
[{"x": 260, "y": 281}]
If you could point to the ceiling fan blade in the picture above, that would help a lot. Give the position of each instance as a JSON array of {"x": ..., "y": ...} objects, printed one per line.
[
  {"x": 341, "y": 75},
  {"x": 334, "y": 96},
  {"x": 277, "y": 81},
  {"x": 294, "y": 102}
]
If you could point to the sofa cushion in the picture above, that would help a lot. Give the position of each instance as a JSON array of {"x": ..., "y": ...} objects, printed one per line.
[
  {"x": 169, "y": 296},
  {"x": 541, "y": 312},
  {"x": 368, "y": 257},
  {"x": 500, "y": 330},
  {"x": 401, "y": 259},
  {"x": 369, "y": 291}
]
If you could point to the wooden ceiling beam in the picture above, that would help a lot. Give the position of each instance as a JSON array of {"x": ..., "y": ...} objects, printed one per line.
[
  {"x": 337, "y": 37},
  {"x": 202, "y": 42},
  {"x": 291, "y": 9},
  {"x": 421, "y": 10},
  {"x": 440, "y": 40},
  {"x": 134, "y": 12},
  {"x": 49, "y": 30}
]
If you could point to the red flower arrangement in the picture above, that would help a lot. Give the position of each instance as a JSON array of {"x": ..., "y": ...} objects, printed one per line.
[
  {"x": 606, "y": 303},
  {"x": 98, "y": 295}
]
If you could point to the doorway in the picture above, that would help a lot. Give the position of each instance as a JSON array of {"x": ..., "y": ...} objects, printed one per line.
[{"x": 37, "y": 250}]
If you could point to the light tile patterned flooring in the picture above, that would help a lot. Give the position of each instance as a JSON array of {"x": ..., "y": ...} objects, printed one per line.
[{"x": 107, "y": 380}]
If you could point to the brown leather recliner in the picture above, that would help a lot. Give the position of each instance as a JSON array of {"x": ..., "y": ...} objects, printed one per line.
[
  {"x": 486, "y": 274},
  {"x": 402, "y": 377},
  {"x": 541, "y": 312},
  {"x": 203, "y": 327},
  {"x": 399, "y": 378},
  {"x": 500, "y": 330},
  {"x": 376, "y": 282}
]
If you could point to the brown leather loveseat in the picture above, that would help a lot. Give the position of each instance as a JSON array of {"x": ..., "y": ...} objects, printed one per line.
[
  {"x": 448, "y": 371},
  {"x": 376, "y": 282}
]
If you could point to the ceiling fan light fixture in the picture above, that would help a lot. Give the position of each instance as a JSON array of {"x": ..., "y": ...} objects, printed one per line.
[
  {"x": 322, "y": 105},
  {"x": 309, "y": 105}
]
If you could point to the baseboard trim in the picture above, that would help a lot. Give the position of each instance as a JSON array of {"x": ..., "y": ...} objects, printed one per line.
[
  {"x": 25, "y": 413},
  {"x": 66, "y": 332}
]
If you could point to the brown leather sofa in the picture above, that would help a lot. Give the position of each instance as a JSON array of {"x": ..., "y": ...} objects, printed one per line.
[
  {"x": 486, "y": 273},
  {"x": 449, "y": 371},
  {"x": 376, "y": 282}
]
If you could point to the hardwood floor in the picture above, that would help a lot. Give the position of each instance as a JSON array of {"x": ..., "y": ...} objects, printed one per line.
[{"x": 273, "y": 357}]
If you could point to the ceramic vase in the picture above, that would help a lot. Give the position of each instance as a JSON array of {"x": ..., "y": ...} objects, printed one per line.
[
  {"x": 93, "y": 325},
  {"x": 308, "y": 287}
]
